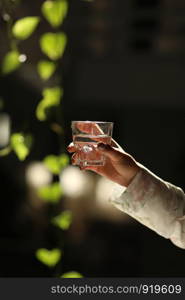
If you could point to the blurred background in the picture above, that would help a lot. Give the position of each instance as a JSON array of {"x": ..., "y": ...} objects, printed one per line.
[{"x": 124, "y": 62}]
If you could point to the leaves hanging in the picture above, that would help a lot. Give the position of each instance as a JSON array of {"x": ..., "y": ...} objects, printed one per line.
[
  {"x": 51, "y": 97},
  {"x": 50, "y": 193},
  {"x": 21, "y": 144},
  {"x": 11, "y": 62},
  {"x": 24, "y": 27},
  {"x": 49, "y": 257},
  {"x": 55, "y": 11},
  {"x": 63, "y": 221},
  {"x": 53, "y": 44},
  {"x": 46, "y": 68}
]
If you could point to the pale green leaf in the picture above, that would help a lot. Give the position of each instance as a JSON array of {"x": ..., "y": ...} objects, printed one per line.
[
  {"x": 50, "y": 193},
  {"x": 52, "y": 163},
  {"x": 5, "y": 151},
  {"x": 63, "y": 221},
  {"x": 11, "y": 62},
  {"x": 46, "y": 69},
  {"x": 56, "y": 163},
  {"x": 51, "y": 97},
  {"x": 53, "y": 44},
  {"x": 21, "y": 144},
  {"x": 41, "y": 111},
  {"x": 24, "y": 27},
  {"x": 72, "y": 274},
  {"x": 55, "y": 11},
  {"x": 63, "y": 160},
  {"x": 49, "y": 257}
]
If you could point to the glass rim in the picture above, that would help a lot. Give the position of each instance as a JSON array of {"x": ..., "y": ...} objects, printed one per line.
[{"x": 97, "y": 122}]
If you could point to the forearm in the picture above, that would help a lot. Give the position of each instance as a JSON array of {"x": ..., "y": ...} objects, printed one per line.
[{"x": 155, "y": 203}]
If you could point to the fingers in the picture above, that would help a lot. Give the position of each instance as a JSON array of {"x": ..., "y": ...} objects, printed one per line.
[
  {"x": 110, "y": 152},
  {"x": 89, "y": 127},
  {"x": 74, "y": 159},
  {"x": 71, "y": 148},
  {"x": 116, "y": 145}
]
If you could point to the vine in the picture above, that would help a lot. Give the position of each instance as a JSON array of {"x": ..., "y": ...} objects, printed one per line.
[{"x": 52, "y": 45}]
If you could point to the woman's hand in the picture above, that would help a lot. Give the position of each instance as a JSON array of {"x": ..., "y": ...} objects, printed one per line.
[{"x": 119, "y": 166}]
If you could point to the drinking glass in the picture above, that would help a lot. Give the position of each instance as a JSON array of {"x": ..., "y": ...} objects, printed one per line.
[{"x": 86, "y": 136}]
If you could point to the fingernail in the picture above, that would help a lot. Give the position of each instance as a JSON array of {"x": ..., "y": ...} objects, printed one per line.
[{"x": 102, "y": 146}]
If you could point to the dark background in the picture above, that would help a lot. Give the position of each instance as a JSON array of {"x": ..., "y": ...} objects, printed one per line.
[{"x": 125, "y": 62}]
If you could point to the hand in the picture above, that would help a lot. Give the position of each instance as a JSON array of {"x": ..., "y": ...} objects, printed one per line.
[{"x": 119, "y": 166}]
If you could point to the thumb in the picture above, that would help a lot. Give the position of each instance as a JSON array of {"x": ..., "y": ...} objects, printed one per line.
[{"x": 123, "y": 163}]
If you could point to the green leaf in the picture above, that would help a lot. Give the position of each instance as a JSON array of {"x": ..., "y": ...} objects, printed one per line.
[
  {"x": 63, "y": 221},
  {"x": 11, "y": 62},
  {"x": 51, "y": 97},
  {"x": 55, "y": 11},
  {"x": 72, "y": 274},
  {"x": 46, "y": 68},
  {"x": 5, "y": 151},
  {"x": 50, "y": 193},
  {"x": 56, "y": 163},
  {"x": 24, "y": 27},
  {"x": 21, "y": 144},
  {"x": 49, "y": 257},
  {"x": 63, "y": 160},
  {"x": 53, "y": 44},
  {"x": 52, "y": 163}
]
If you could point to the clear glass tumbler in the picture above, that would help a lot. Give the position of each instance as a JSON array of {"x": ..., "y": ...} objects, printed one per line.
[{"x": 86, "y": 136}]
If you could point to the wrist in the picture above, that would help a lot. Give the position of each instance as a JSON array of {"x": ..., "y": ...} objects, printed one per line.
[{"x": 131, "y": 170}]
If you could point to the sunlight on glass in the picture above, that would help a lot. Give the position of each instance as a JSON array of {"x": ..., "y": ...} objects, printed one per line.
[
  {"x": 37, "y": 175},
  {"x": 49, "y": 257}
]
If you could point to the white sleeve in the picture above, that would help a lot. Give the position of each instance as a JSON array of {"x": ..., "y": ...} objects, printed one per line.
[{"x": 155, "y": 203}]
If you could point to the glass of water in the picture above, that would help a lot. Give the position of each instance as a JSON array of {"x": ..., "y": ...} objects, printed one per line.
[{"x": 86, "y": 136}]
